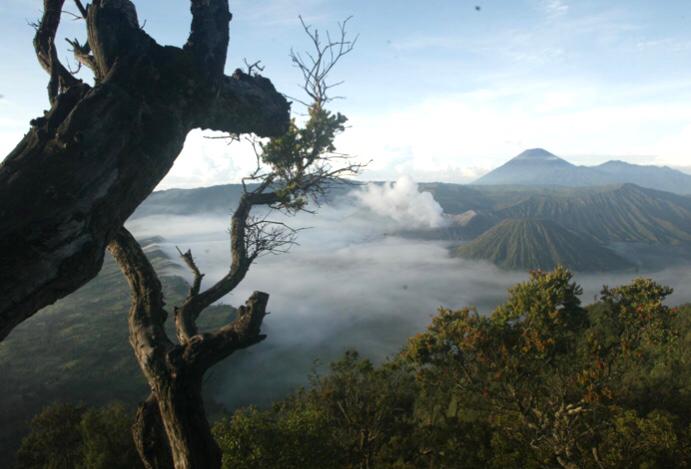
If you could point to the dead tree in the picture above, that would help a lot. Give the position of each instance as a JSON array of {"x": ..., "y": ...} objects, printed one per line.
[
  {"x": 82, "y": 168},
  {"x": 300, "y": 165}
]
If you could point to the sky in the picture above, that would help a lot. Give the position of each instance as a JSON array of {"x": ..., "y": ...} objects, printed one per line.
[{"x": 434, "y": 90}]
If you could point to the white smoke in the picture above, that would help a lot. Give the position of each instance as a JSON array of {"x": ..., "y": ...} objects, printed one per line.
[{"x": 402, "y": 202}]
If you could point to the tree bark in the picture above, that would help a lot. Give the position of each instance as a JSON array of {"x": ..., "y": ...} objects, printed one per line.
[
  {"x": 84, "y": 167},
  {"x": 184, "y": 419},
  {"x": 175, "y": 371}
]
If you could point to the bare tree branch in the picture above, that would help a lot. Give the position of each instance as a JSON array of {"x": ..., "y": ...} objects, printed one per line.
[
  {"x": 46, "y": 52},
  {"x": 184, "y": 322},
  {"x": 290, "y": 169},
  {"x": 82, "y": 53},
  {"x": 100, "y": 151},
  {"x": 114, "y": 35},
  {"x": 189, "y": 261},
  {"x": 174, "y": 372},
  {"x": 265, "y": 236},
  {"x": 81, "y": 8},
  {"x": 319, "y": 64},
  {"x": 73, "y": 15},
  {"x": 251, "y": 67},
  {"x": 241, "y": 260}
]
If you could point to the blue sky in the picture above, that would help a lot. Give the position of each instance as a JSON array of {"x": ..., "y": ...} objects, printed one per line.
[{"x": 437, "y": 89}]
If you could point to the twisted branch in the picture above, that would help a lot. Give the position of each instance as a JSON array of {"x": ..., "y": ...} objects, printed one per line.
[
  {"x": 187, "y": 314},
  {"x": 46, "y": 52},
  {"x": 204, "y": 351}
]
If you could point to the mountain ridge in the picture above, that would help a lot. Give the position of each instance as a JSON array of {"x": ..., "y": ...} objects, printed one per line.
[
  {"x": 539, "y": 167},
  {"x": 654, "y": 220},
  {"x": 623, "y": 213}
]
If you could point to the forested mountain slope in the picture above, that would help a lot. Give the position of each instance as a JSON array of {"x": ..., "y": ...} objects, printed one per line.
[
  {"x": 621, "y": 213},
  {"x": 540, "y": 244}
]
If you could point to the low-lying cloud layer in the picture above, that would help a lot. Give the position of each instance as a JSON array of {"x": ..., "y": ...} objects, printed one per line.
[{"x": 348, "y": 284}]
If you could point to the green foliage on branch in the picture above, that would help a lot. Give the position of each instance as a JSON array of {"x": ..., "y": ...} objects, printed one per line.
[{"x": 301, "y": 161}]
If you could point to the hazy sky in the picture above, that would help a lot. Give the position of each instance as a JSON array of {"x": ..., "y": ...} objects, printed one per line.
[{"x": 438, "y": 90}]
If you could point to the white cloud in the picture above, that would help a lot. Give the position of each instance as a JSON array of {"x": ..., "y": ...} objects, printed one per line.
[
  {"x": 458, "y": 137},
  {"x": 462, "y": 135},
  {"x": 555, "y": 7},
  {"x": 674, "y": 150},
  {"x": 207, "y": 160},
  {"x": 14, "y": 123},
  {"x": 402, "y": 202}
]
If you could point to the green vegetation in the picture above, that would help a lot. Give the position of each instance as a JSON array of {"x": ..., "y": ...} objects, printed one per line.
[
  {"x": 542, "y": 381},
  {"x": 541, "y": 244},
  {"x": 65, "y": 436}
]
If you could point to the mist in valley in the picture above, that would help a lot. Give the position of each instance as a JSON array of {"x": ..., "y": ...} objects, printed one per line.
[{"x": 351, "y": 282}]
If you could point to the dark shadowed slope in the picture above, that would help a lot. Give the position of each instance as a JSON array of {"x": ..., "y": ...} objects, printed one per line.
[{"x": 540, "y": 244}]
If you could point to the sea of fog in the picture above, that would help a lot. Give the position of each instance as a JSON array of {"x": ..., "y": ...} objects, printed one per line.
[{"x": 350, "y": 283}]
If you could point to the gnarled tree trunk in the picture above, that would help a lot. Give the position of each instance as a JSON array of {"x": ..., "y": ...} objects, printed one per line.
[
  {"x": 85, "y": 166},
  {"x": 171, "y": 424}
]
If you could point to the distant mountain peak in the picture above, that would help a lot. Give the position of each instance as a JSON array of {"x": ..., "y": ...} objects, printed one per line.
[
  {"x": 537, "y": 153},
  {"x": 537, "y": 156},
  {"x": 539, "y": 167}
]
